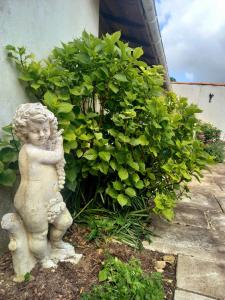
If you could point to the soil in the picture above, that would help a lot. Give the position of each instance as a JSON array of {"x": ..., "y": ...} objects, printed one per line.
[{"x": 68, "y": 281}]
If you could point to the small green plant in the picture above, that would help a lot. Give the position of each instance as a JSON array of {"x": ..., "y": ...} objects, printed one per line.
[
  {"x": 129, "y": 227},
  {"x": 27, "y": 277},
  {"x": 125, "y": 281}
]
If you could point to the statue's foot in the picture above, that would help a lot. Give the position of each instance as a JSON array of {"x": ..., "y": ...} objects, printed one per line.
[
  {"x": 48, "y": 263},
  {"x": 62, "y": 245}
]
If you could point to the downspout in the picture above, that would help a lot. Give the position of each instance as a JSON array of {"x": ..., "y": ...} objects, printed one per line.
[{"x": 150, "y": 14}]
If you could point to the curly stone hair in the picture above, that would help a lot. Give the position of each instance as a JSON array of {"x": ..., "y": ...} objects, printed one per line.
[{"x": 33, "y": 112}]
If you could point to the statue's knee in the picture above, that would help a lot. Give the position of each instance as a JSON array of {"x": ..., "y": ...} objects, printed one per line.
[
  {"x": 64, "y": 222},
  {"x": 67, "y": 220}
]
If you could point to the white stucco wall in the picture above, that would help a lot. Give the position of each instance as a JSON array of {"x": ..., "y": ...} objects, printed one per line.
[
  {"x": 213, "y": 112},
  {"x": 38, "y": 25}
]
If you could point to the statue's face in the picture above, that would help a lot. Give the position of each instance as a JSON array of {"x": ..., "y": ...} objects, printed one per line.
[{"x": 38, "y": 133}]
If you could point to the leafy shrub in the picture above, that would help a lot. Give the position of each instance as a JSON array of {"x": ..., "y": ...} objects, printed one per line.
[
  {"x": 123, "y": 135},
  {"x": 216, "y": 150},
  {"x": 126, "y": 281},
  {"x": 209, "y": 133},
  {"x": 210, "y": 136},
  {"x": 9, "y": 148}
]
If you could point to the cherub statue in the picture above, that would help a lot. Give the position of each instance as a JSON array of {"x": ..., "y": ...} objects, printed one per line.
[{"x": 38, "y": 201}]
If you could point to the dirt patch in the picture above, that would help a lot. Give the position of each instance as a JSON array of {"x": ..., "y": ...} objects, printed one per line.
[{"x": 69, "y": 281}]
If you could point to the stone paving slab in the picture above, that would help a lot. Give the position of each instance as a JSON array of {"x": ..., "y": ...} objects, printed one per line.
[
  {"x": 187, "y": 240},
  {"x": 183, "y": 295},
  {"x": 217, "y": 220},
  {"x": 205, "y": 187},
  {"x": 220, "y": 196},
  {"x": 190, "y": 216},
  {"x": 201, "y": 200},
  {"x": 201, "y": 276}
]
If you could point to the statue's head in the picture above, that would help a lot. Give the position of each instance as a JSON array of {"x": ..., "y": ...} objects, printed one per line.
[{"x": 34, "y": 123}]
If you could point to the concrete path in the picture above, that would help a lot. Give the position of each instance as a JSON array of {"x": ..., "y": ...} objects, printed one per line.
[{"x": 197, "y": 235}]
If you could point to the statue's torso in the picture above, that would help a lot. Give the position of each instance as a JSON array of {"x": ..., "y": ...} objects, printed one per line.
[{"x": 39, "y": 184}]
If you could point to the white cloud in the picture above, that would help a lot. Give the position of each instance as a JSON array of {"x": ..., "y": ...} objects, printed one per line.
[{"x": 193, "y": 34}]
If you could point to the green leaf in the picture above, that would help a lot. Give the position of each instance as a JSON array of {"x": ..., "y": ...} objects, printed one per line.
[
  {"x": 130, "y": 192},
  {"x": 113, "y": 164},
  {"x": 103, "y": 167},
  {"x": 111, "y": 192},
  {"x": 122, "y": 199},
  {"x": 113, "y": 88},
  {"x": 102, "y": 275},
  {"x": 115, "y": 36},
  {"x": 26, "y": 77},
  {"x": 65, "y": 107},
  {"x": 123, "y": 174},
  {"x": 120, "y": 77},
  {"x": 104, "y": 155},
  {"x": 139, "y": 185},
  {"x": 138, "y": 52},
  {"x": 8, "y": 155},
  {"x": 133, "y": 165},
  {"x": 7, "y": 177},
  {"x": 135, "y": 177},
  {"x": 117, "y": 185},
  {"x": 50, "y": 100},
  {"x": 7, "y": 128},
  {"x": 143, "y": 140},
  {"x": 69, "y": 135},
  {"x": 98, "y": 135},
  {"x": 10, "y": 48},
  {"x": 85, "y": 137},
  {"x": 168, "y": 214},
  {"x": 35, "y": 86},
  {"x": 90, "y": 154},
  {"x": 79, "y": 153}
]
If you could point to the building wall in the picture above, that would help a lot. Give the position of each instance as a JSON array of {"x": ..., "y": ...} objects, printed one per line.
[
  {"x": 38, "y": 25},
  {"x": 213, "y": 112}
]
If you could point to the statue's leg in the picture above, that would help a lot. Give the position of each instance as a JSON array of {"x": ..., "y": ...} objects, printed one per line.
[{"x": 58, "y": 229}]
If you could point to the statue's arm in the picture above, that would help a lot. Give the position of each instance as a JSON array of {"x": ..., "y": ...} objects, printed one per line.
[{"x": 46, "y": 156}]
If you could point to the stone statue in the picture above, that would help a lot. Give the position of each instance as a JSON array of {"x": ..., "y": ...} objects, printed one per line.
[{"x": 41, "y": 218}]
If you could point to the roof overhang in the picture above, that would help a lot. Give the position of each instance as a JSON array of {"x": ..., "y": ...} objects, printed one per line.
[{"x": 138, "y": 23}]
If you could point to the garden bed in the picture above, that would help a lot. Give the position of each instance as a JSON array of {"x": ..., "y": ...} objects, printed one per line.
[{"x": 70, "y": 281}]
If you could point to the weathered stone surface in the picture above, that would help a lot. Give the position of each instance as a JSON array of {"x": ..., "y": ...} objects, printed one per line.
[
  {"x": 220, "y": 196},
  {"x": 41, "y": 219},
  {"x": 217, "y": 220},
  {"x": 218, "y": 169},
  {"x": 205, "y": 187},
  {"x": 201, "y": 276},
  {"x": 183, "y": 295},
  {"x": 201, "y": 200},
  {"x": 188, "y": 240},
  {"x": 187, "y": 215}
]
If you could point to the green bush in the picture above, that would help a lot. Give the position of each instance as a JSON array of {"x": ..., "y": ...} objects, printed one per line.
[
  {"x": 125, "y": 281},
  {"x": 216, "y": 150},
  {"x": 209, "y": 133},
  {"x": 210, "y": 136},
  {"x": 124, "y": 136}
]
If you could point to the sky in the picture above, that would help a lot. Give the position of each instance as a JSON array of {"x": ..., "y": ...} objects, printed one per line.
[{"x": 193, "y": 35}]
